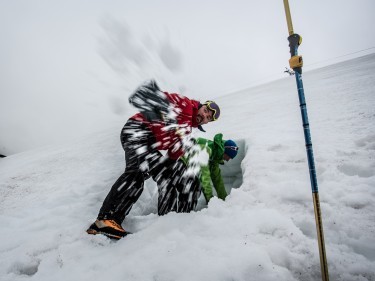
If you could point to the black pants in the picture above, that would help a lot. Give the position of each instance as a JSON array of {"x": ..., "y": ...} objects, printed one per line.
[
  {"x": 180, "y": 195},
  {"x": 189, "y": 192},
  {"x": 142, "y": 161},
  {"x": 176, "y": 192}
]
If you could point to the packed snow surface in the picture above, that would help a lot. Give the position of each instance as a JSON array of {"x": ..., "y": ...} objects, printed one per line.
[{"x": 264, "y": 230}]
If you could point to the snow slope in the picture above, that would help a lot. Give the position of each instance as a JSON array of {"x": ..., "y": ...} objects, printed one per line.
[{"x": 265, "y": 230}]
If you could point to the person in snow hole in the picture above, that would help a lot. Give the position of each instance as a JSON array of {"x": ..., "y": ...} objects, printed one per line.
[{"x": 164, "y": 122}]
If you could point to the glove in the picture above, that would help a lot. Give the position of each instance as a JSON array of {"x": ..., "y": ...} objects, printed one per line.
[{"x": 151, "y": 102}]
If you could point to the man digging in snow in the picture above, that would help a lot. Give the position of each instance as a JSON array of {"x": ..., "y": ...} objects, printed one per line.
[{"x": 165, "y": 122}]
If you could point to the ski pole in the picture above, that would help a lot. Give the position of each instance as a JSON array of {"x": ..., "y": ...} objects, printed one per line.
[{"x": 296, "y": 64}]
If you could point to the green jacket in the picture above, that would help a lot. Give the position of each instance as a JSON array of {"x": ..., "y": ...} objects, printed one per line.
[{"x": 211, "y": 172}]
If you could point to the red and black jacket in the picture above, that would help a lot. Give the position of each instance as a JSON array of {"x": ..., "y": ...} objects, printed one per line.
[{"x": 169, "y": 137}]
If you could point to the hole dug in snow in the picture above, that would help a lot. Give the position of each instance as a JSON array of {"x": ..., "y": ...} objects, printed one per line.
[{"x": 232, "y": 176}]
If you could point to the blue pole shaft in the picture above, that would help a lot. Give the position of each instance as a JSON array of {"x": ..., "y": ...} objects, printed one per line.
[{"x": 306, "y": 130}]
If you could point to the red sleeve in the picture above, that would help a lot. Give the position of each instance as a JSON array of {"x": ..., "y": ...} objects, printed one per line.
[{"x": 185, "y": 110}]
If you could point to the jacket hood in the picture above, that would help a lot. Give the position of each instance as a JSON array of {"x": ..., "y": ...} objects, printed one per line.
[{"x": 216, "y": 147}]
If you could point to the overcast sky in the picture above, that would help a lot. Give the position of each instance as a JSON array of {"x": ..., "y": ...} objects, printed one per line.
[{"x": 67, "y": 67}]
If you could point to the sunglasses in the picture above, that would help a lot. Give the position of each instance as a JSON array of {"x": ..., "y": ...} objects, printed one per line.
[
  {"x": 211, "y": 105},
  {"x": 235, "y": 148}
]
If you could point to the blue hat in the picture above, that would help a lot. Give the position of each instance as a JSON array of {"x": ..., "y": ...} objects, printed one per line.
[{"x": 231, "y": 148}]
